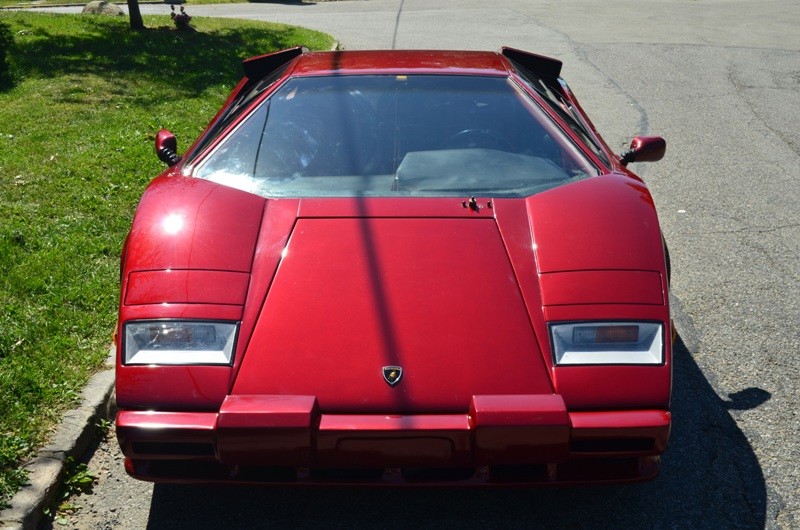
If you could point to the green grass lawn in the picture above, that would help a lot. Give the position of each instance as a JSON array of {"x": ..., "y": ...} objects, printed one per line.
[
  {"x": 76, "y": 151},
  {"x": 189, "y": 3}
]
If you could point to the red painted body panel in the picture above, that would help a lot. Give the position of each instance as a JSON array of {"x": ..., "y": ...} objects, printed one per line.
[
  {"x": 603, "y": 223},
  {"x": 251, "y": 429},
  {"x": 185, "y": 311},
  {"x": 403, "y": 61},
  {"x": 375, "y": 441},
  {"x": 172, "y": 388},
  {"x": 433, "y": 295},
  {"x": 613, "y": 386},
  {"x": 515, "y": 227},
  {"x": 601, "y": 287},
  {"x": 148, "y": 433},
  {"x": 328, "y": 291},
  {"x": 188, "y": 223},
  {"x": 519, "y": 430},
  {"x": 535, "y": 430},
  {"x": 276, "y": 226},
  {"x": 631, "y": 424},
  {"x": 186, "y": 287}
]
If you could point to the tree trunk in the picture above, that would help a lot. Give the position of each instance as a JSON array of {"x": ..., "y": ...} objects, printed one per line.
[{"x": 135, "y": 15}]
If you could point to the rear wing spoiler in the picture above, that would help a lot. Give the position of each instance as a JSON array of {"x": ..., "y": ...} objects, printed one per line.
[
  {"x": 256, "y": 68},
  {"x": 545, "y": 67}
]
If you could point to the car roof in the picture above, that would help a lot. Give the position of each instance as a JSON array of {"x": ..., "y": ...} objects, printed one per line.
[{"x": 401, "y": 62}]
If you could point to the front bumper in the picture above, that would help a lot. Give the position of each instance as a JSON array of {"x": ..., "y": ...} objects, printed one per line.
[{"x": 521, "y": 439}]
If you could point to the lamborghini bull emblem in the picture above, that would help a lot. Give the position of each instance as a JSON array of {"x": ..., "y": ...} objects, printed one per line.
[{"x": 392, "y": 374}]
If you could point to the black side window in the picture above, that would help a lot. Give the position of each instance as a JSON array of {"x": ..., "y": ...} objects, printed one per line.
[{"x": 561, "y": 106}]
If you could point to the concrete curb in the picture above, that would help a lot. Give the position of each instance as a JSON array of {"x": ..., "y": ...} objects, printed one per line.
[{"x": 72, "y": 438}]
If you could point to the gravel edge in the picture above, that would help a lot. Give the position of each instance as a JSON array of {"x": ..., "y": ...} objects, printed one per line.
[{"x": 72, "y": 438}]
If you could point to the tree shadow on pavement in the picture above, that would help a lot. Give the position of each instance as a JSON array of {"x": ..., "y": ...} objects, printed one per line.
[{"x": 710, "y": 477}]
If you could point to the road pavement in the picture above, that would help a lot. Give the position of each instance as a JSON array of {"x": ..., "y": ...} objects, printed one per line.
[{"x": 720, "y": 80}]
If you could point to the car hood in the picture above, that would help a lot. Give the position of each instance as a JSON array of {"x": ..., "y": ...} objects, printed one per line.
[{"x": 435, "y": 297}]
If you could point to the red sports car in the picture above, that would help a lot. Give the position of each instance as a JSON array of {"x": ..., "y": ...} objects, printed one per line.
[{"x": 399, "y": 267}]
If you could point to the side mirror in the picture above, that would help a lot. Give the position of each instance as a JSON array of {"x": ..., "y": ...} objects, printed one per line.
[
  {"x": 644, "y": 149},
  {"x": 167, "y": 147}
]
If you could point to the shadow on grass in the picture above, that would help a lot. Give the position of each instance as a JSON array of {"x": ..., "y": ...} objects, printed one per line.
[{"x": 184, "y": 63}]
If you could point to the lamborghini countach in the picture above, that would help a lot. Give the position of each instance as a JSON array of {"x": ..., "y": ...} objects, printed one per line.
[{"x": 396, "y": 267}]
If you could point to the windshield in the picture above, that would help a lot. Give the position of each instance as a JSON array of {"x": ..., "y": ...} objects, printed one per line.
[{"x": 387, "y": 136}]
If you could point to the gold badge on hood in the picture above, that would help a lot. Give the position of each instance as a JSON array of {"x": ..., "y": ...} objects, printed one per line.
[{"x": 392, "y": 374}]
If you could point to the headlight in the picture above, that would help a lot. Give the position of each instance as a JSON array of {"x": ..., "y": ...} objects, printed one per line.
[
  {"x": 179, "y": 342},
  {"x": 608, "y": 343}
]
